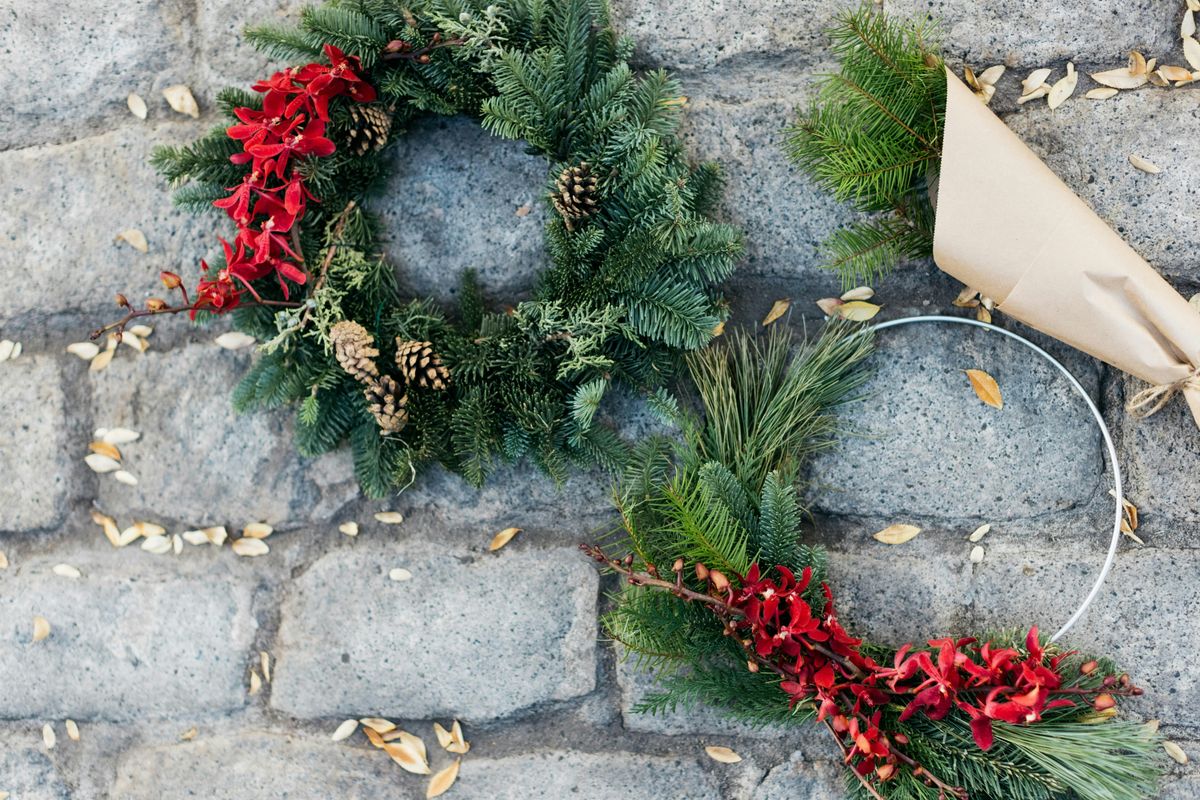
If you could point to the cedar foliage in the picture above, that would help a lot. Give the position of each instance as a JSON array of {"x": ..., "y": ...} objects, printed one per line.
[
  {"x": 624, "y": 294},
  {"x": 872, "y": 137},
  {"x": 726, "y": 496}
]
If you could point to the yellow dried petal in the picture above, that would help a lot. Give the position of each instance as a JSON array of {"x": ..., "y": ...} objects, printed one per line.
[
  {"x": 502, "y": 538},
  {"x": 829, "y": 305},
  {"x": 1188, "y": 26},
  {"x": 1103, "y": 93},
  {"x": 399, "y": 574},
  {"x": 189, "y": 734},
  {"x": 723, "y": 755},
  {"x": 255, "y": 683},
  {"x": 896, "y": 534},
  {"x": 105, "y": 449},
  {"x": 234, "y": 340},
  {"x": 349, "y": 528},
  {"x": 85, "y": 350},
  {"x": 66, "y": 571},
  {"x": 1175, "y": 752},
  {"x": 979, "y": 533},
  {"x": 264, "y": 661},
  {"x": 3, "y": 560},
  {"x": 977, "y": 554},
  {"x": 378, "y": 724},
  {"x": 180, "y": 98},
  {"x": 459, "y": 745},
  {"x": 985, "y": 387},
  {"x": 778, "y": 309},
  {"x": 48, "y": 737},
  {"x": 72, "y": 730},
  {"x": 250, "y": 548},
  {"x": 857, "y": 310},
  {"x": 1035, "y": 80},
  {"x": 1064, "y": 87},
  {"x": 440, "y": 783},
  {"x": 389, "y": 517},
  {"x": 444, "y": 737},
  {"x": 101, "y": 463},
  {"x": 345, "y": 730},
  {"x": 1173, "y": 73},
  {"x": 257, "y": 530},
  {"x": 858, "y": 293},
  {"x": 407, "y": 757},
  {"x": 135, "y": 239},
  {"x": 1119, "y": 79},
  {"x": 157, "y": 544},
  {"x": 137, "y": 106},
  {"x": 1145, "y": 165},
  {"x": 41, "y": 628},
  {"x": 1191, "y": 51},
  {"x": 1137, "y": 63}
]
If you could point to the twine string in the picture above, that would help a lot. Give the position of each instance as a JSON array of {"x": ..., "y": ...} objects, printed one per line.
[{"x": 1151, "y": 400}]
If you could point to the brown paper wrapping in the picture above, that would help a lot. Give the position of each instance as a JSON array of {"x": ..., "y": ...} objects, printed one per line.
[{"x": 1006, "y": 225}]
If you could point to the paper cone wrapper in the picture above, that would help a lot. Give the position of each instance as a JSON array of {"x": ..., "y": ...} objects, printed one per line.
[{"x": 1006, "y": 225}]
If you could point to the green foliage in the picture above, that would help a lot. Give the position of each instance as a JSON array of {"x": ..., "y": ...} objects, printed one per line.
[
  {"x": 871, "y": 137},
  {"x": 625, "y": 292}
]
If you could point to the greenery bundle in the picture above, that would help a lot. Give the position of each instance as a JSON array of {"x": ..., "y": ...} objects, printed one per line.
[
  {"x": 872, "y": 137},
  {"x": 635, "y": 260},
  {"x": 727, "y": 606}
]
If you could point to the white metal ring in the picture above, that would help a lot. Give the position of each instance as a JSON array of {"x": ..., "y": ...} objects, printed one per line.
[{"x": 1108, "y": 443}]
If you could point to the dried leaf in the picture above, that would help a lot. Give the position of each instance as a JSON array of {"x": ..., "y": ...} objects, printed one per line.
[
  {"x": 234, "y": 340},
  {"x": 189, "y": 734},
  {"x": 378, "y": 724},
  {"x": 440, "y": 783},
  {"x": 723, "y": 755},
  {"x": 255, "y": 683},
  {"x": 1191, "y": 51},
  {"x": 126, "y": 477},
  {"x": 48, "y": 737},
  {"x": 158, "y": 545},
  {"x": 41, "y": 628},
  {"x": 1035, "y": 80},
  {"x": 136, "y": 105},
  {"x": 778, "y": 309},
  {"x": 857, "y": 310},
  {"x": 977, "y": 554},
  {"x": 400, "y": 574},
  {"x": 985, "y": 387},
  {"x": 444, "y": 737},
  {"x": 858, "y": 293},
  {"x": 407, "y": 757},
  {"x": 829, "y": 305},
  {"x": 101, "y": 463},
  {"x": 389, "y": 517},
  {"x": 967, "y": 298},
  {"x": 1119, "y": 79},
  {"x": 349, "y": 528},
  {"x": 1175, "y": 752},
  {"x": 135, "y": 239},
  {"x": 983, "y": 314},
  {"x": 410, "y": 739},
  {"x": 1064, "y": 87},
  {"x": 1103, "y": 93},
  {"x": 1172, "y": 73},
  {"x": 250, "y": 548},
  {"x": 85, "y": 350},
  {"x": 1144, "y": 165},
  {"x": 179, "y": 97},
  {"x": 1137, "y": 63},
  {"x": 257, "y": 530},
  {"x": 66, "y": 571},
  {"x": 970, "y": 79},
  {"x": 72, "y": 730},
  {"x": 979, "y": 533},
  {"x": 459, "y": 745},
  {"x": 1188, "y": 26},
  {"x": 502, "y": 538},
  {"x": 896, "y": 534},
  {"x": 105, "y": 449},
  {"x": 345, "y": 730},
  {"x": 374, "y": 738},
  {"x": 1151, "y": 725}
]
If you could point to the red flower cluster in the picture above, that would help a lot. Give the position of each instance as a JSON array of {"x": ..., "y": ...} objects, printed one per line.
[
  {"x": 820, "y": 662},
  {"x": 270, "y": 200}
]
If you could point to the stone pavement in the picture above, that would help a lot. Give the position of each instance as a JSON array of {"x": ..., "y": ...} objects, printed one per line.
[{"x": 144, "y": 647}]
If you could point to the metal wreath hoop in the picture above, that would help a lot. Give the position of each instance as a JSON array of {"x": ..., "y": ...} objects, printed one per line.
[{"x": 1096, "y": 415}]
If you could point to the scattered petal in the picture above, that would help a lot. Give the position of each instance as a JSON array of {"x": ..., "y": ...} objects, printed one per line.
[
  {"x": 1145, "y": 165},
  {"x": 1173, "y": 73},
  {"x": 718, "y": 329},
  {"x": 444, "y": 737},
  {"x": 723, "y": 755},
  {"x": 440, "y": 783},
  {"x": 979, "y": 533},
  {"x": 189, "y": 734},
  {"x": 1064, "y": 87},
  {"x": 85, "y": 350},
  {"x": 195, "y": 537},
  {"x": 158, "y": 545},
  {"x": 180, "y": 98},
  {"x": 1035, "y": 80},
  {"x": 400, "y": 574},
  {"x": 858, "y": 293},
  {"x": 857, "y": 310},
  {"x": 6, "y": 349},
  {"x": 389, "y": 517},
  {"x": 255, "y": 683},
  {"x": 967, "y": 298},
  {"x": 102, "y": 361},
  {"x": 105, "y": 449},
  {"x": 264, "y": 660},
  {"x": 135, "y": 239},
  {"x": 250, "y": 548},
  {"x": 109, "y": 526},
  {"x": 143, "y": 331},
  {"x": 977, "y": 554},
  {"x": 176, "y": 544},
  {"x": 1036, "y": 94},
  {"x": 829, "y": 305},
  {"x": 985, "y": 387},
  {"x": 1119, "y": 79},
  {"x": 1188, "y": 26},
  {"x": 345, "y": 730},
  {"x": 896, "y": 534},
  {"x": 66, "y": 571},
  {"x": 41, "y": 628},
  {"x": 502, "y": 538},
  {"x": 778, "y": 309},
  {"x": 126, "y": 477},
  {"x": 257, "y": 530},
  {"x": 136, "y": 105},
  {"x": 234, "y": 340},
  {"x": 407, "y": 757},
  {"x": 1191, "y": 51},
  {"x": 101, "y": 463},
  {"x": 524, "y": 210},
  {"x": 378, "y": 724},
  {"x": 3, "y": 560},
  {"x": 1137, "y": 63},
  {"x": 48, "y": 737},
  {"x": 349, "y": 528},
  {"x": 146, "y": 529},
  {"x": 1175, "y": 752},
  {"x": 459, "y": 745},
  {"x": 72, "y": 730},
  {"x": 119, "y": 436},
  {"x": 1103, "y": 93}
]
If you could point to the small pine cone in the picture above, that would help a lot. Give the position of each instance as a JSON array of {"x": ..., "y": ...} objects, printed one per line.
[
  {"x": 369, "y": 128},
  {"x": 420, "y": 365},
  {"x": 354, "y": 349},
  {"x": 575, "y": 194},
  {"x": 387, "y": 404}
]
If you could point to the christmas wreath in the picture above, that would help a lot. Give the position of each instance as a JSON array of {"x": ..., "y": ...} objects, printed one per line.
[
  {"x": 728, "y": 607},
  {"x": 634, "y": 258}
]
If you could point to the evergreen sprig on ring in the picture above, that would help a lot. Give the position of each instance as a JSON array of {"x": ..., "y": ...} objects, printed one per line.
[{"x": 634, "y": 258}]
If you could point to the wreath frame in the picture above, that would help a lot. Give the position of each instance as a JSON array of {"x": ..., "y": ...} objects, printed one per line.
[{"x": 633, "y": 276}]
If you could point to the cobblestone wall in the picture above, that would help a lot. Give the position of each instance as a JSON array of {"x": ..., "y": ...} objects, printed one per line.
[{"x": 144, "y": 647}]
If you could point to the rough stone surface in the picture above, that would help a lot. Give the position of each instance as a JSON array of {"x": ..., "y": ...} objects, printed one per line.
[
  {"x": 922, "y": 430},
  {"x": 801, "y": 778},
  {"x": 27, "y": 773},
  {"x": 125, "y": 643},
  {"x": 472, "y": 635},
  {"x": 32, "y": 444}
]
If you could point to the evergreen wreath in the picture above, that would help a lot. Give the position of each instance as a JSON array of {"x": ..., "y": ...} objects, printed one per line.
[
  {"x": 635, "y": 259},
  {"x": 728, "y": 607}
]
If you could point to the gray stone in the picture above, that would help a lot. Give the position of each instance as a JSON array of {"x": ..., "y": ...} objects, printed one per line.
[
  {"x": 33, "y": 455},
  {"x": 1088, "y": 145},
  {"x": 1018, "y": 32},
  {"x": 27, "y": 772},
  {"x": 299, "y": 767},
  {"x": 65, "y": 206},
  {"x": 460, "y": 198},
  {"x": 803, "y": 779},
  {"x": 131, "y": 639},
  {"x": 1139, "y": 617},
  {"x": 197, "y": 460},
  {"x": 473, "y": 636},
  {"x": 73, "y": 67},
  {"x": 227, "y": 58},
  {"x": 922, "y": 443},
  {"x": 1184, "y": 781}
]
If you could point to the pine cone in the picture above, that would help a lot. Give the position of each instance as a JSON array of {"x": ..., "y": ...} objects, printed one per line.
[
  {"x": 354, "y": 349},
  {"x": 575, "y": 194},
  {"x": 387, "y": 405},
  {"x": 369, "y": 128},
  {"x": 420, "y": 365}
]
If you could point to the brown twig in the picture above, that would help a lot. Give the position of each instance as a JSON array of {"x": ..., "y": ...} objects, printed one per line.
[
  {"x": 133, "y": 314},
  {"x": 334, "y": 240},
  {"x": 866, "y": 784},
  {"x": 421, "y": 55}
]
